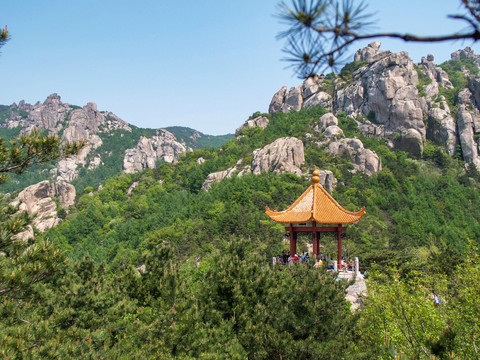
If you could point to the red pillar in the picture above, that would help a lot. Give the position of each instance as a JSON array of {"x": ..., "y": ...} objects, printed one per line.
[
  {"x": 293, "y": 241},
  {"x": 315, "y": 241},
  {"x": 318, "y": 242},
  {"x": 339, "y": 259}
]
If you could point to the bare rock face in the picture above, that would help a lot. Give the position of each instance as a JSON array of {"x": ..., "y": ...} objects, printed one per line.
[
  {"x": 25, "y": 235},
  {"x": 67, "y": 169},
  {"x": 52, "y": 114},
  {"x": 442, "y": 78},
  {"x": 313, "y": 94},
  {"x": 65, "y": 193},
  {"x": 364, "y": 160},
  {"x": 76, "y": 123},
  {"x": 238, "y": 169},
  {"x": 321, "y": 98},
  {"x": 468, "y": 124},
  {"x": 307, "y": 95},
  {"x": 37, "y": 200},
  {"x": 333, "y": 131},
  {"x": 217, "y": 177},
  {"x": 293, "y": 100},
  {"x": 132, "y": 187},
  {"x": 283, "y": 155},
  {"x": 442, "y": 129},
  {"x": 113, "y": 122},
  {"x": 385, "y": 87},
  {"x": 369, "y": 52},
  {"x": 327, "y": 120},
  {"x": 164, "y": 146},
  {"x": 277, "y": 101},
  {"x": 411, "y": 141},
  {"x": 260, "y": 121},
  {"x": 466, "y": 53},
  {"x": 44, "y": 116},
  {"x": 94, "y": 163},
  {"x": 436, "y": 74},
  {"x": 369, "y": 129},
  {"x": 85, "y": 124},
  {"x": 327, "y": 180}
]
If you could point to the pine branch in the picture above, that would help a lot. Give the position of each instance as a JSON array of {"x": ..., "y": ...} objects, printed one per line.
[{"x": 321, "y": 31}]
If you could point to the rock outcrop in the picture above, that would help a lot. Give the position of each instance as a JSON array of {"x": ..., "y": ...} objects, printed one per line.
[
  {"x": 163, "y": 146},
  {"x": 327, "y": 120},
  {"x": 259, "y": 121},
  {"x": 389, "y": 96},
  {"x": 327, "y": 180},
  {"x": 238, "y": 169},
  {"x": 72, "y": 122},
  {"x": 441, "y": 127},
  {"x": 75, "y": 123},
  {"x": 48, "y": 115},
  {"x": 84, "y": 124},
  {"x": 468, "y": 123},
  {"x": 386, "y": 89},
  {"x": 364, "y": 160},
  {"x": 217, "y": 177},
  {"x": 466, "y": 53},
  {"x": 328, "y": 126},
  {"x": 333, "y": 131},
  {"x": 283, "y": 155},
  {"x": 38, "y": 200},
  {"x": 309, "y": 94}
]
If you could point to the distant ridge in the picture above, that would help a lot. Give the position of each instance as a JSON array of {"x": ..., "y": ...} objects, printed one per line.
[{"x": 197, "y": 140}]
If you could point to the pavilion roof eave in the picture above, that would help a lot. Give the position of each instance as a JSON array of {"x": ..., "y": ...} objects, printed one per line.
[
  {"x": 316, "y": 204},
  {"x": 272, "y": 216}
]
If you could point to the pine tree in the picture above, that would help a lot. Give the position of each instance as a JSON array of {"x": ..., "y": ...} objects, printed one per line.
[{"x": 26, "y": 262}]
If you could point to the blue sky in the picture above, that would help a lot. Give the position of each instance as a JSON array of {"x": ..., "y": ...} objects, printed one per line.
[{"x": 205, "y": 64}]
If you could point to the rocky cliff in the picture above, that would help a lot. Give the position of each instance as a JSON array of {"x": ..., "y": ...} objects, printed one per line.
[
  {"x": 282, "y": 155},
  {"x": 42, "y": 201},
  {"x": 390, "y": 96},
  {"x": 312, "y": 92},
  {"x": 163, "y": 146},
  {"x": 74, "y": 123}
]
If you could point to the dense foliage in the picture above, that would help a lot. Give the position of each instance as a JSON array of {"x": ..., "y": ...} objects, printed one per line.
[
  {"x": 151, "y": 266},
  {"x": 26, "y": 262},
  {"x": 230, "y": 306},
  {"x": 167, "y": 206}
]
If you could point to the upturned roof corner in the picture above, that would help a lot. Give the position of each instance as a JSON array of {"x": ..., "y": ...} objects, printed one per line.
[{"x": 316, "y": 204}]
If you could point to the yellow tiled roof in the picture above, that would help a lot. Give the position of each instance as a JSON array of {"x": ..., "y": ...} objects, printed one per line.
[{"x": 316, "y": 204}]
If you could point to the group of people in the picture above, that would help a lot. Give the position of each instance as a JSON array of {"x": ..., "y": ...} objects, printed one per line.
[
  {"x": 304, "y": 258},
  {"x": 286, "y": 259},
  {"x": 349, "y": 266}
]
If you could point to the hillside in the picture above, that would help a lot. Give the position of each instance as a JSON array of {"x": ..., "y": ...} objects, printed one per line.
[
  {"x": 115, "y": 145},
  {"x": 382, "y": 148},
  {"x": 174, "y": 261},
  {"x": 178, "y": 212}
]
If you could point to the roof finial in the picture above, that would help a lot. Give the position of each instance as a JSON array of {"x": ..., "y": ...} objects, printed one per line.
[{"x": 315, "y": 178}]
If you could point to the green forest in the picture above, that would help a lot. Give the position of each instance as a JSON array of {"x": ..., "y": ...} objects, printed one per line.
[{"x": 150, "y": 266}]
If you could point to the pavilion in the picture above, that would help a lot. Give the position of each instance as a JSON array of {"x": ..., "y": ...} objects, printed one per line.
[{"x": 318, "y": 207}]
